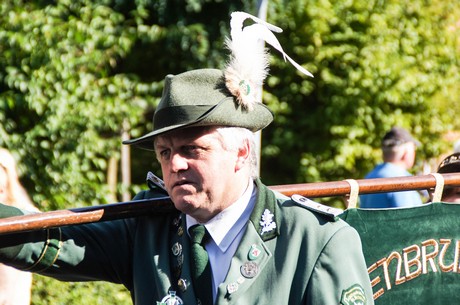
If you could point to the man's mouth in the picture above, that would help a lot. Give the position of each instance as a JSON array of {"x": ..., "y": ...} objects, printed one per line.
[{"x": 180, "y": 183}]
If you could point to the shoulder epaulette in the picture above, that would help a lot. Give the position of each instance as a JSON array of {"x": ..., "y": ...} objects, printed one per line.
[
  {"x": 154, "y": 182},
  {"x": 317, "y": 207}
]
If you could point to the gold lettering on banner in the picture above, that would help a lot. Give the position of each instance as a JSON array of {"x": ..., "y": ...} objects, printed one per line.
[
  {"x": 429, "y": 257},
  {"x": 376, "y": 280},
  {"x": 412, "y": 261},
  {"x": 399, "y": 279},
  {"x": 445, "y": 244},
  {"x": 408, "y": 263},
  {"x": 454, "y": 266},
  {"x": 457, "y": 251}
]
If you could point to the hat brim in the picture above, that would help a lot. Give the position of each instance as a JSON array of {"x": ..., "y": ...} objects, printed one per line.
[{"x": 219, "y": 114}]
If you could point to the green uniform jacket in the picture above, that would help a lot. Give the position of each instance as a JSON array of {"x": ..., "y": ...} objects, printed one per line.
[{"x": 305, "y": 257}]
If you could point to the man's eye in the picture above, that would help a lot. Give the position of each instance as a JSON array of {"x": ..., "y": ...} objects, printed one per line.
[
  {"x": 164, "y": 154},
  {"x": 191, "y": 149}
]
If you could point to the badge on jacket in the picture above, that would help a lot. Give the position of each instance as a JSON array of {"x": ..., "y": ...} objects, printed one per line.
[
  {"x": 171, "y": 299},
  {"x": 353, "y": 296}
]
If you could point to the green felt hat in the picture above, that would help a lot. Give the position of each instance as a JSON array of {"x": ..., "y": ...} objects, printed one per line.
[{"x": 200, "y": 98}]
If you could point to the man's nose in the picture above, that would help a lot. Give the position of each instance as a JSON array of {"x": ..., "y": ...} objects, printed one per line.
[{"x": 178, "y": 163}]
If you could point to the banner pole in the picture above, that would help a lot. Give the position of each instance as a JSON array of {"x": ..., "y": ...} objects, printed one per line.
[{"x": 163, "y": 205}]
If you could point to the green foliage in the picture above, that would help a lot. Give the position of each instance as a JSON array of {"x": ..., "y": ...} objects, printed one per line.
[
  {"x": 75, "y": 73},
  {"x": 59, "y": 83},
  {"x": 47, "y": 291},
  {"x": 376, "y": 64}
]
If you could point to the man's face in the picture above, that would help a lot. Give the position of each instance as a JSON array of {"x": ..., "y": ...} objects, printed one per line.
[{"x": 199, "y": 173}]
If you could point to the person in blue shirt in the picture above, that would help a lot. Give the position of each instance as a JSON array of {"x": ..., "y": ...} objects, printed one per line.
[{"x": 398, "y": 150}]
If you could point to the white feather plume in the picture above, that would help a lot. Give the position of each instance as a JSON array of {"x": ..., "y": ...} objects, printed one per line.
[{"x": 249, "y": 60}]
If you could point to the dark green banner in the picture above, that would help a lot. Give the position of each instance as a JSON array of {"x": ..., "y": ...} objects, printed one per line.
[{"x": 412, "y": 254}]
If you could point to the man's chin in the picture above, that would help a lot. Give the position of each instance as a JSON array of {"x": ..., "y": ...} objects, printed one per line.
[{"x": 185, "y": 206}]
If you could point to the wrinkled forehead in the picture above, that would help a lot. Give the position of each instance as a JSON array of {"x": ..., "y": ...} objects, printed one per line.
[{"x": 184, "y": 135}]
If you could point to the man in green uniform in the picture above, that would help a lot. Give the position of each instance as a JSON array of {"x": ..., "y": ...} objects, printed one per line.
[{"x": 230, "y": 240}]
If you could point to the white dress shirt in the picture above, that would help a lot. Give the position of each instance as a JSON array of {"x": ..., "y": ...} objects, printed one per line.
[{"x": 226, "y": 230}]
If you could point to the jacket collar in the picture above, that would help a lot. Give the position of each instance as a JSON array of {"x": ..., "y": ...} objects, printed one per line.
[{"x": 266, "y": 216}]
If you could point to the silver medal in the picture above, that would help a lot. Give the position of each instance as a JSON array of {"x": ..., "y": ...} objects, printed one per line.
[
  {"x": 171, "y": 299},
  {"x": 249, "y": 269}
]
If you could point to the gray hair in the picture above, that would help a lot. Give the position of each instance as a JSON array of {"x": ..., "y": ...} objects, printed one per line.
[{"x": 233, "y": 137}]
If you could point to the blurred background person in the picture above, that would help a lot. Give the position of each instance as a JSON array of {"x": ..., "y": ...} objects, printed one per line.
[
  {"x": 450, "y": 164},
  {"x": 398, "y": 150},
  {"x": 15, "y": 286}
]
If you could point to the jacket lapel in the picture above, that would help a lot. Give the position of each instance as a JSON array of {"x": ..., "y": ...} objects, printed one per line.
[
  {"x": 247, "y": 264},
  {"x": 180, "y": 275},
  {"x": 252, "y": 254}
]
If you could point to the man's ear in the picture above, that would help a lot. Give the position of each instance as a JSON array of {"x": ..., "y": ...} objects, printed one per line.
[
  {"x": 404, "y": 153},
  {"x": 243, "y": 155},
  {"x": 408, "y": 155}
]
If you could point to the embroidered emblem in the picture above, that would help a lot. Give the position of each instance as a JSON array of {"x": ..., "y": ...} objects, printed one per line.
[
  {"x": 254, "y": 252},
  {"x": 267, "y": 222},
  {"x": 353, "y": 296},
  {"x": 171, "y": 299}
]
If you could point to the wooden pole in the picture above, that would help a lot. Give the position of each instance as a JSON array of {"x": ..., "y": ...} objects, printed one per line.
[
  {"x": 163, "y": 205},
  {"x": 60, "y": 218},
  {"x": 367, "y": 186}
]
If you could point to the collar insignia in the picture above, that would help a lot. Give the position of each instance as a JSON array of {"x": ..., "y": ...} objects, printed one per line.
[{"x": 267, "y": 222}]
